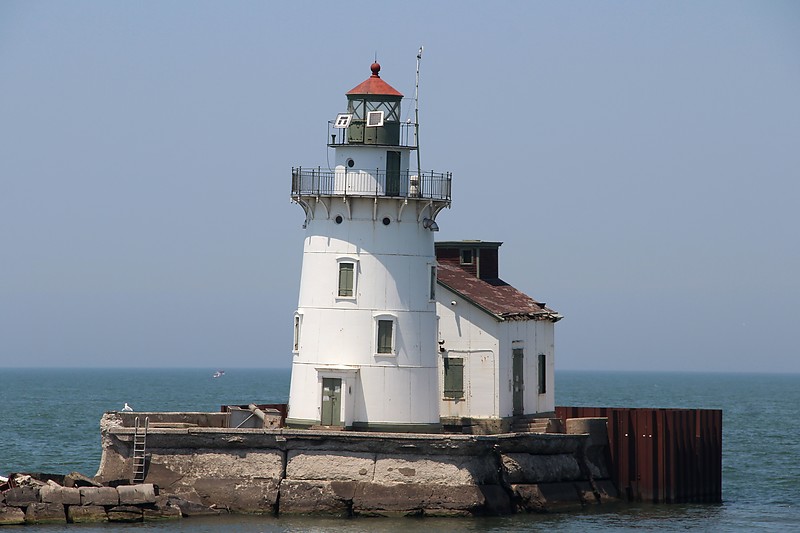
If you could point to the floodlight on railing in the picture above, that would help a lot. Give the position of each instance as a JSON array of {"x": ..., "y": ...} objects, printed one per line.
[{"x": 429, "y": 223}]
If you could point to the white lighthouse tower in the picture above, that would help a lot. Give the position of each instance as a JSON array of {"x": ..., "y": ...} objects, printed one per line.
[{"x": 365, "y": 332}]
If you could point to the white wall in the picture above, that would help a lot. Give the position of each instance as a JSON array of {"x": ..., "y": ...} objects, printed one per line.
[
  {"x": 392, "y": 281},
  {"x": 534, "y": 337},
  {"x": 471, "y": 334},
  {"x": 486, "y": 345}
]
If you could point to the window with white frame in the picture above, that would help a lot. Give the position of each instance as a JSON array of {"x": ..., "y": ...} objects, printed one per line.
[
  {"x": 298, "y": 320},
  {"x": 348, "y": 274},
  {"x": 385, "y": 334}
]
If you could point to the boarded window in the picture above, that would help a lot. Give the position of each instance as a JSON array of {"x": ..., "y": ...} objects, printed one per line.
[
  {"x": 453, "y": 377},
  {"x": 385, "y": 336},
  {"x": 542, "y": 373},
  {"x": 346, "y": 271}
]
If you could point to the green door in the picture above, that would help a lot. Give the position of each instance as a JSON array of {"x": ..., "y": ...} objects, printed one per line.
[
  {"x": 392, "y": 173},
  {"x": 331, "y": 402},
  {"x": 519, "y": 384}
]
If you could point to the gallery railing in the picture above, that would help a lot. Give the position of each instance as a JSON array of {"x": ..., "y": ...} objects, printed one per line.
[{"x": 373, "y": 183}]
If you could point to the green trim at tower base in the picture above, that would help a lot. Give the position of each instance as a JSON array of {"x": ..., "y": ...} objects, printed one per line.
[{"x": 300, "y": 423}]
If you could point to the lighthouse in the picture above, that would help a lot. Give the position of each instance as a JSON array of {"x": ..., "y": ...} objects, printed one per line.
[{"x": 365, "y": 348}]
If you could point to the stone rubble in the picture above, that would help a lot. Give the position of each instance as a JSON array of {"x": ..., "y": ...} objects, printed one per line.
[{"x": 38, "y": 499}]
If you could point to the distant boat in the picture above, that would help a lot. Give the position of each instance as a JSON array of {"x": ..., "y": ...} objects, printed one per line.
[{"x": 218, "y": 374}]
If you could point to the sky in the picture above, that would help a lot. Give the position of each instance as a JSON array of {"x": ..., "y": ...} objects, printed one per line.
[{"x": 639, "y": 160}]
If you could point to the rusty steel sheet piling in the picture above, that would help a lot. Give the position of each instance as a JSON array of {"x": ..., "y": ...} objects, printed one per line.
[{"x": 662, "y": 455}]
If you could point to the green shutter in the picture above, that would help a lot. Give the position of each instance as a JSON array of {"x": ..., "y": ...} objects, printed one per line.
[
  {"x": 345, "y": 279},
  {"x": 454, "y": 377},
  {"x": 542, "y": 373}
]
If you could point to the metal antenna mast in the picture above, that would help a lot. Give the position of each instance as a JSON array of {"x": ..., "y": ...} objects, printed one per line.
[{"x": 416, "y": 116}]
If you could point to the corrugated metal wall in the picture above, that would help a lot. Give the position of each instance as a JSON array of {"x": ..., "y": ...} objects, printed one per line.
[{"x": 662, "y": 455}]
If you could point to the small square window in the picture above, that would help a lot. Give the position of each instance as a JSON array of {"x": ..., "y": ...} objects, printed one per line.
[
  {"x": 467, "y": 256},
  {"x": 342, "y": 120},
  {"x": 374, "y": 119}
]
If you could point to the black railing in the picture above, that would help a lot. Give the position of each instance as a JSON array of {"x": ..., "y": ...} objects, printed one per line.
[{"x": 318, "y": 182}]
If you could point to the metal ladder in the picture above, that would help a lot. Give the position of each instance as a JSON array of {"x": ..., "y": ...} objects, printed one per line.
[{"x": 139, "y": 446}]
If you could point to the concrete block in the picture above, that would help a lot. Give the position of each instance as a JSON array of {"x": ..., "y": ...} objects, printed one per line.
[
  {"x": 125, "y": 513},
  {"x": 136, "y": 494},
  {"x": 53, "y": 493},
  {"x": 22, "y": 496},
  {"x": 79, "y": 514},
  {"x": 163, "y": 509},
  {"x": 546, "y": 497},
  {"x": 595, "y": 427},
  {"x": 411, "y": 499},
  {"x": 11, "y": 516},
  {"x": 443, "y": 470},
  {"x": 76, "y": 479},
  {"x": 215, "y": 463},
  {"x": 245, "y": 495},
  {"x": 45, "y": 513},
  {"x": 316, "y": 497},
  {"x": 186, "y": 507},
  {"x": 99, "y": 496},
  {"x": 330, "y": 465},
  {"x": 525, "y": 468}
]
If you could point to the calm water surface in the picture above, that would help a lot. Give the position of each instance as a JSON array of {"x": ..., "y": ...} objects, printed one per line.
[{"x": 49, "y": 422}]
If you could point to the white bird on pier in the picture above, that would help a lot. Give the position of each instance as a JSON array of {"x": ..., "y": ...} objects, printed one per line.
[{"x": 127, "y": 408}]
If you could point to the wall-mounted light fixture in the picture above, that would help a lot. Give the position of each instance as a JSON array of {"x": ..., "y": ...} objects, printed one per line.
[{"x": 429, "y": 223}]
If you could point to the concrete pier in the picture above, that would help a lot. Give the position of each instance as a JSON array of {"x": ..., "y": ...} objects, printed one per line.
[{"x": 192, "y": 456}]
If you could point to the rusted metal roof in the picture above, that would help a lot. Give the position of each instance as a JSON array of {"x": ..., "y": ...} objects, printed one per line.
[
  {"x": 375, "y": 85},
  {"x": 494, "y": 296}
]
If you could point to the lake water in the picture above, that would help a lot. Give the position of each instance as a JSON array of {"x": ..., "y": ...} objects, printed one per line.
[{"x": 49, "y": 422}]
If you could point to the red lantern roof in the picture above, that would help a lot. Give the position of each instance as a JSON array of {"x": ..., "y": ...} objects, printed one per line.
[{"x": 375, "y": 85}]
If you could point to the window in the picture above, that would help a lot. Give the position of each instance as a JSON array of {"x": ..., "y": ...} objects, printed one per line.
[
  {"x": 342, "y": 120},
  {"x": 466, "y": 256},
  {"x": 296, "y": 343},
  {"x": 542, "y": 373},
  {"x": 374, "y": 119},
  {"x": 346, "y": 279},
  {"x": 454, "y": 377},
  {"x": 385, "y": 337},
  {"x": 433, "y": 283}
]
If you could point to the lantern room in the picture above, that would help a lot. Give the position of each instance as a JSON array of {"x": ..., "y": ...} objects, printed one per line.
[{"x": 373, "y": 108}]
